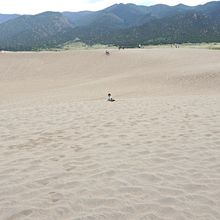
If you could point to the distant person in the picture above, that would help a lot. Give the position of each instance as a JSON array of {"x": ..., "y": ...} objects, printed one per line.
[
  {"x": 110, "y": 99},
  {"x": 107, "y": 53}
]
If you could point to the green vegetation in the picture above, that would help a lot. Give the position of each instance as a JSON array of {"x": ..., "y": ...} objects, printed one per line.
[{"x": 75, "y": 46}]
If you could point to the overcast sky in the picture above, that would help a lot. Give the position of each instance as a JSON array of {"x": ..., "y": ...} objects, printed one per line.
[{"x": 36, "y": 6}]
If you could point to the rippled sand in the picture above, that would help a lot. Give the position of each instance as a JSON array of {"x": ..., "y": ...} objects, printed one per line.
[{"x": 66, "y": 153}]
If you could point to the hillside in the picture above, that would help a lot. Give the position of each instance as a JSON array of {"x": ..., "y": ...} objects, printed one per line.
[
  {"x": 191, "y": 27},
  {"x": 28, "y": 32},
  {"x": 121, "y": 24}
]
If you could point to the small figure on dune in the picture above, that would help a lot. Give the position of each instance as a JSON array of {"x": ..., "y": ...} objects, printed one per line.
[
  {"x": 110, "y": 99},
  {"x": 107, "y": 53}
]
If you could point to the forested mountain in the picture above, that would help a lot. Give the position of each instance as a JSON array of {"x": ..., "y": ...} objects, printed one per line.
[
  {"x": 120, "y": 24},
  {"x": 29, "y": 32}
]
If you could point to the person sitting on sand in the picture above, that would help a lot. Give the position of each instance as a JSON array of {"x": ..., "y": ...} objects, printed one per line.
[{"x": 110, "y": 99}]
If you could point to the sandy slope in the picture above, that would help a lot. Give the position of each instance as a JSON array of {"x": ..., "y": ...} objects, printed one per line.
[{"x": 66, "y": 153}]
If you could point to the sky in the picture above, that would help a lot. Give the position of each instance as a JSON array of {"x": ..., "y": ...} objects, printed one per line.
[{"x": 37, "y": 6}]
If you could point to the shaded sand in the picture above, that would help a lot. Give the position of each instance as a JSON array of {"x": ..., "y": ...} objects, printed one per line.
[{"x": 67, "y": 154}]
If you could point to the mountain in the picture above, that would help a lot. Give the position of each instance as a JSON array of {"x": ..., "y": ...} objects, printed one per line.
[
  {"x": 193, "y": 27},
  {"x": 128, "y": 14},
  {"x": 79, "y": 18},
  {"x": 7, "y": 17},
  {"x": 122, "y": 15},
  {"x": 161, "y": 25},
  {"x": 27, "y": 32},
  {"x": 119, "y": 24}
]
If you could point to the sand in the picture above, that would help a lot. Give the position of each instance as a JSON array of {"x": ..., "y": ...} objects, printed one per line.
[{"x": 68, "y": 154}]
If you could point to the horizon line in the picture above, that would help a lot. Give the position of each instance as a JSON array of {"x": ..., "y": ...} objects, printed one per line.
[{"x": 106, "y": 8}]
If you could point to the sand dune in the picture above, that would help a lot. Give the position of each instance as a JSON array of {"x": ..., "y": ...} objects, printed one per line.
[
  {"x": 68, "y": 154},
  {"x": 130, "y": 73}
]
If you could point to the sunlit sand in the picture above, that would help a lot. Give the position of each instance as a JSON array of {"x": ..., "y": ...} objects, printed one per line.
[{"x": 67, "y": 153}]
